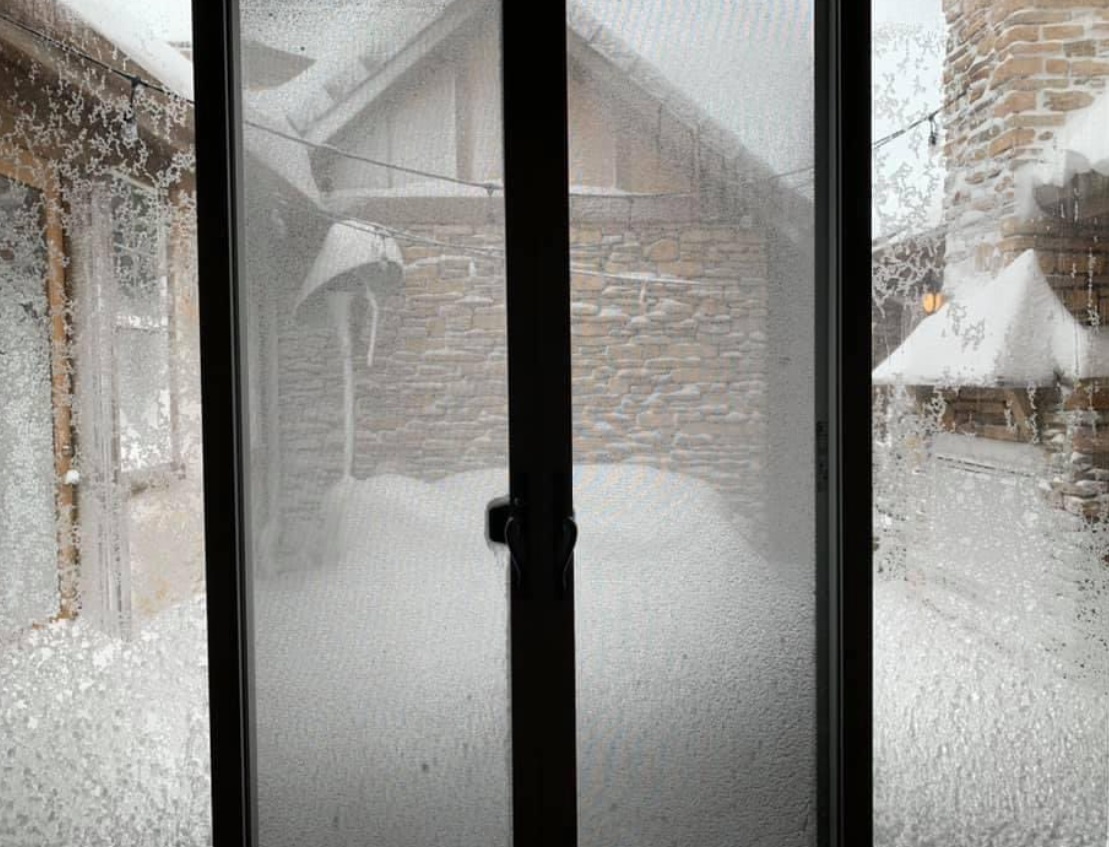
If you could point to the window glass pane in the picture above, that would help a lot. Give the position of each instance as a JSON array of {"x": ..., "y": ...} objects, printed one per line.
[
  {"x": 990, "y": 480},
  {"x": 375, "y": 327},
  {"x": 691, "y": 153},
  {"x": 103, "y": 680},
  {"x": 144, "y": 312}
]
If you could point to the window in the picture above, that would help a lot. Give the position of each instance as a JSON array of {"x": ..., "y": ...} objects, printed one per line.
[
  {"x": 446, "y": 325},
  {"x": 102, "y": 601},
  {"x": 143, "y": 330},
  {"x": 397, "y": 265}
]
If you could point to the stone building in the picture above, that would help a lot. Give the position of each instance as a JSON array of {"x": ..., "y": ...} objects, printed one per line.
[
  {"x": 1025, "y": 120},
  {"x": 686, "y": 256}
]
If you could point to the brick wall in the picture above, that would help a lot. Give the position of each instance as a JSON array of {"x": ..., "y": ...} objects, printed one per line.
[
  {"x": 668, "y": 374},
  {"x": 1015, "y": 69}
]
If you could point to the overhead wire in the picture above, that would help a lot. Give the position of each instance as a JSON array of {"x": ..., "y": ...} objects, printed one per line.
[
  {"x": 369, "y": 226},
  {"x": 489, "y": 187},
  {"x": 133, "y": 79}
]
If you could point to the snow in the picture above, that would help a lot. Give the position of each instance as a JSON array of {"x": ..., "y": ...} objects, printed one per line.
[
  {"x": 1008, "y": 331},
  {"x": 1081, "y": 145},
  {"x": 138, "y": 42},
  {"x": 284, "y": 157},
  {"x": 350, "y": 246},
  {"x": 381, "y": 681},
  {"x": 415, "y": 609},
  {"x": 381, "y": 695},
  {"x": 990, "y": 665},
  {"x": 106, "y": 742}
]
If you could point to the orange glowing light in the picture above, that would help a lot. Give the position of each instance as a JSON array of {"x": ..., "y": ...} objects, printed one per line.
[{"x": 933, "y": 300}]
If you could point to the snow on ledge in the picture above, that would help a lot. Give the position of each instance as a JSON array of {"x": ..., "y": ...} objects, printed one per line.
[
  {"x": 1008, "y": 331},
  {"x": 1080, "y": 146}
]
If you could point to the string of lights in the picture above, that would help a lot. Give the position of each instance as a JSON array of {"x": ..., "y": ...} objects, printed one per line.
[
  {"x": 134, "y": 79},
  {"x": 490, "y": 187}
]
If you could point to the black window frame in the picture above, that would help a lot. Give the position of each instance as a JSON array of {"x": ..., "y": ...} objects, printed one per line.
[{"x": 537, "y": 245}]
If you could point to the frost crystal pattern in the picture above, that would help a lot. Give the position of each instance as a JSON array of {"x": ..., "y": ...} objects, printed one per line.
[
  {"x": 103, "y": 685},
  {"x": 991, "y": 466}
]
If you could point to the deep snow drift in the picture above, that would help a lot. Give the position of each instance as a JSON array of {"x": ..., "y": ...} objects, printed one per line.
[
  {"x": 381, "y": 693},
  {"x": 381, "y": 676},
  {"x": 990, "y": 666}
]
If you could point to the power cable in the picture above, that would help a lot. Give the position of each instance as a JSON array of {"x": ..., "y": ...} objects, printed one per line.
[{"x": 136, "y": 80}]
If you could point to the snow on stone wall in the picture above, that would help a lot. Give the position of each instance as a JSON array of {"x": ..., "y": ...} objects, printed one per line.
[
  {"x": 1015, "y": 71},
  {"x": 670, "y": 374}
]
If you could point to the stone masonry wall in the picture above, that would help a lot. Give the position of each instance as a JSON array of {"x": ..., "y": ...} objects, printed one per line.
[
  {"x": 667, "y": 374},
  {"x": 1014, "y": 70}
]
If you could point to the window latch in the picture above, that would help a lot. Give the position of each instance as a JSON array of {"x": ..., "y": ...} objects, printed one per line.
[{"x": 504, "y": 523}]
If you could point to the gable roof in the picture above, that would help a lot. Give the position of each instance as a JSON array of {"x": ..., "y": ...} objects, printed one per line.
[{"x": 331, "y": 94}]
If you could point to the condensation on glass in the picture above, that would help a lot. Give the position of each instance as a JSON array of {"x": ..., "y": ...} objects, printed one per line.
[
  {"x": 991, "y": 469},
  {"x": 691, "y": 154},
  {"x": 377, "y": 418},
  {"x": 103, "y": 683}
]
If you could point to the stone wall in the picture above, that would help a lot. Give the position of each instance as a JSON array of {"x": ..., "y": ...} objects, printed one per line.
[
  {"x": 1077, "y": 438},
  {"x": 1070, "y": 424},
  {"x": 670, "y": 374},
  {"x": 1015, "y": 69}
]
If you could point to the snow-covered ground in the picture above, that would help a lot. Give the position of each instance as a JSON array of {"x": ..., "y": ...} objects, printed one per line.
[
  {"x": 990, "y": 667},
  {"x": 381, "y": 694}
]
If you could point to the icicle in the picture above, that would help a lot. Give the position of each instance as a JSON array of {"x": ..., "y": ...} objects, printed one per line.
[
  {"x": 373, "y": 326},
  {"x": 339, "y": 306}
]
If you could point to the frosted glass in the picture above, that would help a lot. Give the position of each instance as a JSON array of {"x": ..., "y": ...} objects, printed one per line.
[
  {"x": 990, "y": 582},
  {"x": 375, "y": 326},
  {"x": 691, "y": 235},
  {"x": 104, "y": 727}
]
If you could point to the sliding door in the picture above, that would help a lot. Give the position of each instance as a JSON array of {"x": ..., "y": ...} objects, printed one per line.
[{"x": 522, "y": 450}]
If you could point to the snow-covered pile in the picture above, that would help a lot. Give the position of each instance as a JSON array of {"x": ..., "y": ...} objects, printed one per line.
[
  {"x": 104, "y": 742},
  {"x": 380, "y": 674},
  {"x": 991, "y": 668},
  {"x": 1009, "y": 331}
]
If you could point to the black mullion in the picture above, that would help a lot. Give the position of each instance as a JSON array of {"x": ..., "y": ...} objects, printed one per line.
[
  {"x": 537, "y": 214},
  {"x": 853, "y": 442},
  {"x": 223, "y": 389},
  {"x": 844, "y": 494}
]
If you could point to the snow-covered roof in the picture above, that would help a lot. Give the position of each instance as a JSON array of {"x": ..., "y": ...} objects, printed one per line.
[
  {"x": 342, "y": 83},
  {"x": 349, "y": 245},
  {"x": 1011, "y": 330},
  {"x": 138, "y": 43},
  {"x": 339, "y": 87},
  {"x": 285, "y": 158},
  {"x": 1080, "y": 146}
]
